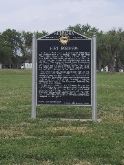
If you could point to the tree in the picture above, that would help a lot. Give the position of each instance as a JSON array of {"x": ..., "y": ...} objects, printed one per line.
[
  {"x": 84, "y": 29},
  {"x": 115, "y": 48},
  {"x": 27, "y": 44},
  {"x": 5, "y": 53},
  {"x": 111, "y": 49},
  {"x": 41, "y": 34},
  {"x": 14, "y": 43}
]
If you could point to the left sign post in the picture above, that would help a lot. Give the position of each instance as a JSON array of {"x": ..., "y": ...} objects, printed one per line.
[{"x": 33, "y": 113}]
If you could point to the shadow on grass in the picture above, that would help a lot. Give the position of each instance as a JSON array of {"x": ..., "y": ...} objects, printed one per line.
[{"x": 70, "y": 112}]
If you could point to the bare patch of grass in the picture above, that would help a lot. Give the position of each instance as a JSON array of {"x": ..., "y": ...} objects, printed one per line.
[
  {"x": 11, "y": 132},
  {"x": 74, "y": 162},
  {"x": 115, "y": 117},
  {"x": 70, "y": 130},
  {"x": 48, "y": 162},
  {"x": 83, "y": 163}
]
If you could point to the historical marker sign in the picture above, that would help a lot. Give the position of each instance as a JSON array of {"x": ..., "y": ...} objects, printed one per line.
[{"x": 64, "y": 69}]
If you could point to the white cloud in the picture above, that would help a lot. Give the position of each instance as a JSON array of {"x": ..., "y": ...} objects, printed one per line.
[{"x": 54, "y": 15}]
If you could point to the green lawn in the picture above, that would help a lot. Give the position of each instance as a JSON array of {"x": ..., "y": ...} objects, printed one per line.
[{"x": 51, "y": 141}]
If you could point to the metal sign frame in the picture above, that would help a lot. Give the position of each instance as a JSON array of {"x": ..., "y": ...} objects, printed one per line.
[{"x": 93, "y": 77}]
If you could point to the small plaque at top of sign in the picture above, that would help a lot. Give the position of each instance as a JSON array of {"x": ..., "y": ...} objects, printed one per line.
[{"x": 64, "y": 40}]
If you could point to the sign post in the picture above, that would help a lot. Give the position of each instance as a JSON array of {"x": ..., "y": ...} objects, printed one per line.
[
  {"x": 33, "y": 114},
  {"x": 94, "y": 104}
]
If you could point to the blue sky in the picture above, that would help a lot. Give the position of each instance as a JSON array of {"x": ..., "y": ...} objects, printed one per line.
[{"x": 52, "y": 15}]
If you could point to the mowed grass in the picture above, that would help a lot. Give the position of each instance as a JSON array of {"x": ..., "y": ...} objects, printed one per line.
[{"x": 50, "y": 141}]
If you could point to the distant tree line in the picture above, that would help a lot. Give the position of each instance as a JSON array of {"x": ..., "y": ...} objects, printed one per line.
[{"x": 15, "y": 47}]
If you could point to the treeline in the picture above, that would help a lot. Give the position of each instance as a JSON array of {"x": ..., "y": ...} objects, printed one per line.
[{"x": 15, "y": 47}]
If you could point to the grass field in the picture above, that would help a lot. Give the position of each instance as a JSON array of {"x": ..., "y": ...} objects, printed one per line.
[{"x": 50, "y": 141}]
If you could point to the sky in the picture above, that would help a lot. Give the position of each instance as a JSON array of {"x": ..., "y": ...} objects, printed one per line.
[{"x": 52, "y": 15}]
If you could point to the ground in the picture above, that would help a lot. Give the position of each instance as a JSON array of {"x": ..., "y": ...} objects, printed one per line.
[{"x": 51, "y": 141}]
